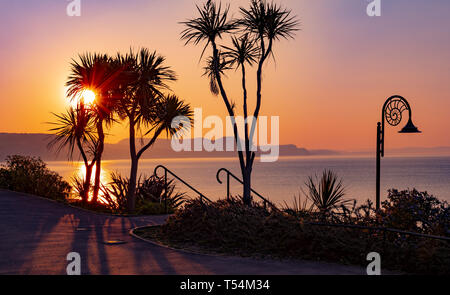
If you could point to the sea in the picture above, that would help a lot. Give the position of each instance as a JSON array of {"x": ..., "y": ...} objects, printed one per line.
[{"x": 284, "y": 180}]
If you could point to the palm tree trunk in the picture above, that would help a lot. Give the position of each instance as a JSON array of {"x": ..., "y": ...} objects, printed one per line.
[
  {"x": 87, "y": 184},
  {"x": 131, "y": 198},
  {"x": 246, "y": 175},
  {"x": 98, "y": 167},
  {"x": 87, "y": 179},
  {"x": 230, "y": 112},
  {"x": 132, "y": 186}
]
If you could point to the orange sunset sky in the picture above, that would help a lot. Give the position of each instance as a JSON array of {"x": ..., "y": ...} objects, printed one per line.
[{"x": 328, "y": 85}]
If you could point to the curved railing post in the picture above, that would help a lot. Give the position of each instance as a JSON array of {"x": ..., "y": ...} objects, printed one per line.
[
  {"x": 265, "y": 201},
  {"x": 166, "y": 172}
]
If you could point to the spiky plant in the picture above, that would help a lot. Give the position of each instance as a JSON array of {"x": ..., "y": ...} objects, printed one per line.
[
  {"x": 325, "y": 193},
  {"x": 76, "y": 128}
]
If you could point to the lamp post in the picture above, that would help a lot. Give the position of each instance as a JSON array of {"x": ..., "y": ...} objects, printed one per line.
[{"x": 392, "y": 112}]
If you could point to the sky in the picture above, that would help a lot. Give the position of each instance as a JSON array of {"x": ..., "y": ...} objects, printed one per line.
[{"x": 327, "y": 86}]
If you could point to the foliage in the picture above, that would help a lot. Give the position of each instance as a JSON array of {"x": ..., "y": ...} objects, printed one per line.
[
  {"x": 268, "y": 20},
  {"x": 150, "y": 194},
  {"x": 408, "y": 210},
  {"x": 4, "y": 178},
  {"x": 153, "y": 189},
  {"x": 326, "y": 193},
  {"x": 416, "y": 211},
  {"x": 153, "y": 208},
  {"x": 244, "y": 51},
  {"x": 146, "y": 108},
  {"x": 212, "y": 23},
  {"x": 298, "y": 208},
  {"x": 31, "y": 175},
  {"x": 115, "y": 193},
  {"x": 234, "y": 228},
  {"x": 214, "y": 68},
  {"x": 78, "y": 186},
  {"x": 75, "y": 128}
]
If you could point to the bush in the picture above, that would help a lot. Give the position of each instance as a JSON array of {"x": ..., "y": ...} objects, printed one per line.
[
  {"x": 153, "y": 208},
  {"x": 408, "y": 210},
  {"x": 152, "y": 190},
  {"x": 150, "y": 194},
  {"x": 115, "y": 193},
  {"x": 416, "y": 211},
  {"x": 31, "y": 175},
  {"x": 234, "y": 228}
]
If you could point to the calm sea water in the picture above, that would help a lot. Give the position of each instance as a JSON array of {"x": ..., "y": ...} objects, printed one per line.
[{"x": 282, "y": 180}]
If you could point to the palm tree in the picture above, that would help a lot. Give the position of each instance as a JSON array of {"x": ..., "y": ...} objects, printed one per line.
[
  {"x": 96, "y": 72},
  {"x": 76, "y": 128},
  {"x": 211, "y": 25},
  {"x": 145, "y": 106},
  {"x": 167, "y": 108},
  {"x": 244, "y": 52},
  {"x": 265, "y": 23}
]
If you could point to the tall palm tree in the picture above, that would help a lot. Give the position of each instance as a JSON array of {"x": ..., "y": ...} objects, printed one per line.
[
  {"x": 265, "y": 23},
  {"x": 99, "y": 74},
  {"x": 145, "y": 106},
  {"x": 211, "y": 25},
  {"x": 75, "y": 128},
  {"x": 167, "y": 108},
  {"x": 244, "y": 52}
]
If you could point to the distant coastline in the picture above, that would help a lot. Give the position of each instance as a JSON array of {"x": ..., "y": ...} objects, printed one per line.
[{"x": 35, "y": 144}]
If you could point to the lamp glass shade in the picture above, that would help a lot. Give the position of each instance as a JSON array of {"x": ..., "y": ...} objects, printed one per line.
[{"x": 409, "y": 128}]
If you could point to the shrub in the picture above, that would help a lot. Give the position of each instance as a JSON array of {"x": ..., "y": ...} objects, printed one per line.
[
  {"x": 114, "y": 194},
  {"x": 325, "y": 193},
  {"x": 153, "y": 189},
  {"x": 78, "y": 187},
  {"x": 31, "y": 175},
  {"x": 4, "y": 178},
  {"x": 416, "y": 211},
  {"x": 150, "y": 194},
  {"x": 153, "y": 208},
  {"x": 234, "y": 228}
]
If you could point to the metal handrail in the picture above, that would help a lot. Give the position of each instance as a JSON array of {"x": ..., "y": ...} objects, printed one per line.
[
  {"x": 166, "y": 170},
  {"x": 265, "y": 201},
  {"x": 383, "y": 229}
]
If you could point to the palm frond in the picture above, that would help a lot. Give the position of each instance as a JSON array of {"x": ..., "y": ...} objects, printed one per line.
[
  {"x": 76, "y": 124},
  {"x": 212, "y": 23},
  {"x": 213, "y": 67},
  {"x": 150, "y": 78},
  {"x": 268, "y": 20},
  {"x": 171, "y": 107},
  {"x": 244, "y": 51}
]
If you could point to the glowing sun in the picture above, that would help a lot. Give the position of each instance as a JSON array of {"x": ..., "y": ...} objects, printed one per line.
[{"x": 88, "y": 96}]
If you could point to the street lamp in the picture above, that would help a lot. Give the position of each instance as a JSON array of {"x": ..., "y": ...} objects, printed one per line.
[{"x": 392, "y": 113}]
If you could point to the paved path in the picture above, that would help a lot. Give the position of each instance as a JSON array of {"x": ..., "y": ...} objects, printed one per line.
[{"x": 36, "y": 235}]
